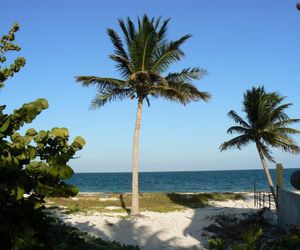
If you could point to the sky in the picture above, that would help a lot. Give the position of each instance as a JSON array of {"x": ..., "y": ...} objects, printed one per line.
[{"x": 240, "y": 43}]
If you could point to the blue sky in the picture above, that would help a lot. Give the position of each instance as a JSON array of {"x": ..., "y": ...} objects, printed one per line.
[{"x": 240, "y": 43}]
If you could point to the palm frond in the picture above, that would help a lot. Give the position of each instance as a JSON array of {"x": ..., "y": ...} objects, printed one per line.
[
  {"x": 238, "y": 129},
  {"x": 148, "y": 101},
  {"x": 189, "y": 91},
  {"x": 115, "y": 94},
  {"x": 124, "y": 29},
  {"x": 168, "y": 54},
  {"x": 285, "y": 123},
  {"x": 168, "y": 93},
  {"x": 284, "y": 130},
  {"x": 143, "y": 46},
  {"x": 118, "y": 44},
  {"x": 147, "y": 47},
  {"x": 187, "y": 74},
  {"x": 274, "y": 98},
  {"x": 265, "y": 151},
  {"x": 289, "y": 146},
  {"x": 280, "y": 138},
  {"x": 278, "y": 114},
  {"x": 123, "y": 65},
  {"x": 233, "y": 115},
  {"x": 236, "y": 142},
  {"x": 268, "y": 137},
  {"x": 131, "y": 29},
  {"x": 157, "y": 22},
  {"x": 251, "y": 104},
  {"x": 101, "y": 82},
  {"x": 129, "y": 33},
  {"x": 163, "y": 29}
]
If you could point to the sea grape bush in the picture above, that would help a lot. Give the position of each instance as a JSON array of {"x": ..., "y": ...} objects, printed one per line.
[
  {"x": 32, "y": 165},
  {"x": 6, "y": 45}
]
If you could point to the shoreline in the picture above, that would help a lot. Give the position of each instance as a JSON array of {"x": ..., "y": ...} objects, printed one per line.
[{"x": 183, "y": 193}]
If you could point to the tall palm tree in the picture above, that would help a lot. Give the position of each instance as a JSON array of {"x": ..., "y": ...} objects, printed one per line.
[
  {"x": 266, "y": 125},
  {"x": 142, "y": 62}
]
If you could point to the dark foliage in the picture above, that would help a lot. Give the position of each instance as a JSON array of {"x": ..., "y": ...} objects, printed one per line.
[
  {"x": 251, "y": 233},
  {"x": 288, "y": 241}
]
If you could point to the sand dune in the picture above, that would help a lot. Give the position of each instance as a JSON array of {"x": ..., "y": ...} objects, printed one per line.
[{"x": 174, "y": 230}]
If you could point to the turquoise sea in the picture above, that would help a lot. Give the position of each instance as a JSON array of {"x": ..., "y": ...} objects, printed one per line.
[{"x": 189, "y": 181}]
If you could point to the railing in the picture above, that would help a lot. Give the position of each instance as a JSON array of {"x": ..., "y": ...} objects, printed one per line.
[{"x": 264, "y": 199}]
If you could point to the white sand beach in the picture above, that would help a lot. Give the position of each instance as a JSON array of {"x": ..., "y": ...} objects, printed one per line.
[{"x": 173, "y": 230}]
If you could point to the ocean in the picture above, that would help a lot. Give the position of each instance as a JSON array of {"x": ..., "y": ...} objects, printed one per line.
[{"x": 187, "y": 181}]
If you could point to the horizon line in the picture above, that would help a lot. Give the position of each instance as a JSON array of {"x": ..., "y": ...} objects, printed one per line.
[{"x": 93, "y": 172}]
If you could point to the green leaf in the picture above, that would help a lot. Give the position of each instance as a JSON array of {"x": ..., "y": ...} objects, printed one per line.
[
  {"x": 15, "y": 137},
  {"x": 59, "y": 171},
  {"x": 36, "y": 168},
  {"x": 60, "y": 132},
  {"x": 31, "y": 132},
  {"x": 5, "y": 126},
  {"x": 78, "y": 143},
  {"x": 43, "y": 102},
  {"x": 42, "y": 135},
  {"x": 31, "y": 151},
  {"x": 18, "y": 193}
]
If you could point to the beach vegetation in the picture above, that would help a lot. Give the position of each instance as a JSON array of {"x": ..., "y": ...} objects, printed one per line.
[
  {"x": 154, "y": 202},
  {"x": 251, "y": 237},
  {"x": 250, "y": 232},
  {"x": 266, "y": 124},
  {"x": 143, "y": 58},
  {"x": 289, "y": 240},
  {"x": 33, "y": 164},
  {"x": 73, "y": 209},
  {"x": 217, "y": 243}
]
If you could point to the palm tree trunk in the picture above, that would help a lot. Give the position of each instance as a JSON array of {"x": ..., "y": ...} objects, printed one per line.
[
  {"x": 267, "y": 172},
  {"x": 135, "y": 209}
]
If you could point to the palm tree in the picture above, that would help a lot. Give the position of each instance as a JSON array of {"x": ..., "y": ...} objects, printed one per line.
[
  {"x": 266, "y": 125},
  {"x": 142, "y": 64}
]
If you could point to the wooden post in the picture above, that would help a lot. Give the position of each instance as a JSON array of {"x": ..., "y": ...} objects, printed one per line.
[
  {"x": 254, "y": 192},
  {"x": 279, "y": 171}
]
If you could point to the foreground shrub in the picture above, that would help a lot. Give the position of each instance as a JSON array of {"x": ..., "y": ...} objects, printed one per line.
[
  {"x": 251, "y": 237},
  {"x": 33, "y": 165},
  {"x": 250, "y": 233},
  {"x": 217, "y": 243},
  {"x": 288, "y": 241}
]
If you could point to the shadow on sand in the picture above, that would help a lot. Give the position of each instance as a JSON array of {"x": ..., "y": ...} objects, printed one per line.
[
  {"x": 133, "y": 231},
  {"x": 123, "y": 205},
  {"x": 206, "y": 216}
]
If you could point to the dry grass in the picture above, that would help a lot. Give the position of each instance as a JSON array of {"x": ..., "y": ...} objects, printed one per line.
[{"x": 156, "y": 202}]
